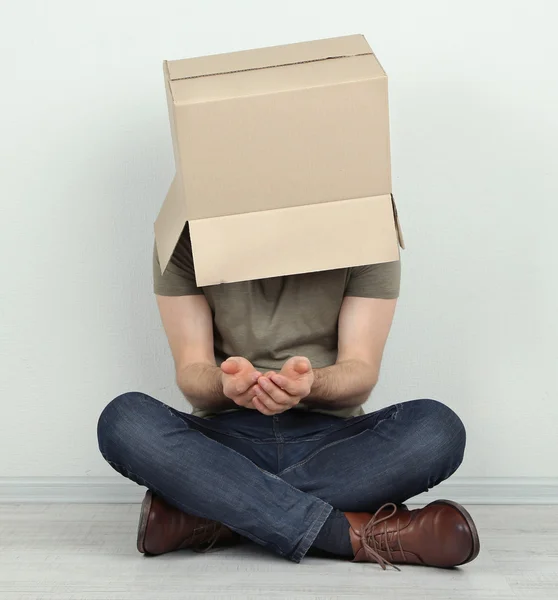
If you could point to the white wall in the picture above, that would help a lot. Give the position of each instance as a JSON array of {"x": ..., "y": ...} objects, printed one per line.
[{"x": 85, "y": 160}]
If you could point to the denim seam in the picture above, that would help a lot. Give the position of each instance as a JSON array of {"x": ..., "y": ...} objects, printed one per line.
[
  {"x": 231, "y": 449},
  {"x": 349, "y": 422},
  {"x": 398, "y": 408},
  {"x": 316, "y": 525},
  {"x": 269, "y": 440},
  {"x": 312, "y": 533},
  {"x": 303, "y": 439},
  {"x": 317, "y": 452},
  {"x": 217, "y": 430},
  {"x": 221, "y": 431}
]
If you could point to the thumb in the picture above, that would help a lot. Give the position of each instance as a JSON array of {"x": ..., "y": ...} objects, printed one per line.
[
  {"x": 298, "y": 365},
  {"x": 231, "y": 366},
  {"x": 302, "y": 366}
]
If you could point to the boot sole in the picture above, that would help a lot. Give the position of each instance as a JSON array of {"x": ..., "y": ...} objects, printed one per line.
[
  {"x": 144, "y": 518},
  {"x": 473, "y": 528}
]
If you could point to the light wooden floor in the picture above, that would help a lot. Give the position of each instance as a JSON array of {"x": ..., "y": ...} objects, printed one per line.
[{"x": 63, "y": 552}]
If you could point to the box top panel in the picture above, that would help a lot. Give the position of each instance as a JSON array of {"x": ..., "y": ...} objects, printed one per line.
[
  {"x": 271, "y": 81},
  {"x": 263, "y": 58}
]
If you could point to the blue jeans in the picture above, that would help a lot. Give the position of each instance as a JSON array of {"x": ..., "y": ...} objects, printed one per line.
[{"x": 276, "y": 479}]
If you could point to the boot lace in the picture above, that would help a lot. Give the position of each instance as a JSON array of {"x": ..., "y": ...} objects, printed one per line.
[
  {"x": 205, "y": 536},
  {"x": 375, "y": 539}
]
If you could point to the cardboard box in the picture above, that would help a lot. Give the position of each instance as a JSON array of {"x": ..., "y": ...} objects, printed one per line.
[{"x": 282, "y": 161}]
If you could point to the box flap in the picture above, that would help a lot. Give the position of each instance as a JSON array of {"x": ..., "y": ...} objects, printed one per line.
[
  {"x": 262, "y": 58},
  {"x": 397, "y": 224},
  {"x": 170, "y": 223},
  {"x": 294, "y": 240}
]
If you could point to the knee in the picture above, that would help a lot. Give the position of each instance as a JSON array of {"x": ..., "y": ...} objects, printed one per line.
[
  {"x": 121, "y": 422},
  {"x": 440, "y": 431}
]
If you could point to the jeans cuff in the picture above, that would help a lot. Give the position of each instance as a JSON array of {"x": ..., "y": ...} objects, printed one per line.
[{"x": 308, "y": 539}]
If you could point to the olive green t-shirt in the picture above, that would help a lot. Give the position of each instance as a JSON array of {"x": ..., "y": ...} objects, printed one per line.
[{"x": 267, "y": 321}]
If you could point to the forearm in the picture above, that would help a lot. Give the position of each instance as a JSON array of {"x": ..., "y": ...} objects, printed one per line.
[
  {"x": 202, "y": 385},
  {"x": 345, "y": 384}
]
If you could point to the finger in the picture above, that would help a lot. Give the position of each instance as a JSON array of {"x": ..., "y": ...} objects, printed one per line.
[
  {"x": 269, "y": 374},
  {"x": 245, "y": 381},
  {"x": 241, "y": 385},
  {"x": 244, "y": 401},
  {"x": 231, "y": 366},
  {"x": 254, "y": 376},
  {"x": 261, "y": 407},
  {"x": 286, "y": 384},
  {"x": 245, "y": 397},
  {"x": 271, "y": 411},
  {"x": 273, "y": 390},
  {"x": 267, "y": 400}
]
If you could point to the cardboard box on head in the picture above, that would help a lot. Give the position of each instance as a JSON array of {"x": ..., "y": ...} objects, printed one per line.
[{"x": 282, "y": 161}]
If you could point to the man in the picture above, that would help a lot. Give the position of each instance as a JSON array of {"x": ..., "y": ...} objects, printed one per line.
[{"x": 278, "y": 449}]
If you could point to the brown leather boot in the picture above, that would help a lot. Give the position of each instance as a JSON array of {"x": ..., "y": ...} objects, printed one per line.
[
  {"x": 164, "y": 528},
  {"x": 441, "y": 534}
]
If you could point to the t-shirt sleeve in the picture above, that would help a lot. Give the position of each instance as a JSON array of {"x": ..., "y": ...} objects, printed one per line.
[
  {"x": 375, "y": 281},
  {"x": 179, "y": 278}
]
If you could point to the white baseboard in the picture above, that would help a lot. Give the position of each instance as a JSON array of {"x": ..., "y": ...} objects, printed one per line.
[{"x": 116, "y": 489}]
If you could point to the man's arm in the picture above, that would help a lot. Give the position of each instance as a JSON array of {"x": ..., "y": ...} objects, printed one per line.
[
  {"x": 189, "y": 328},
  {"x": 364, "y": 325}
]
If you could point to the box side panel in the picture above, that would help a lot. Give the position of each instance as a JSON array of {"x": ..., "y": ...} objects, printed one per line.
[
  {"x": 172, "y": 121},
  {"x": 294, "y": 240},
  {"x": 291, "y": 149},
  {"x": 268, "y": 57},
  {"x": 170, "y": 223}
]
